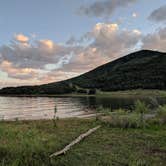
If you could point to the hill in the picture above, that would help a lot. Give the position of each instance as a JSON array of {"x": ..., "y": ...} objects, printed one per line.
[{"x": 140, "y": 70}]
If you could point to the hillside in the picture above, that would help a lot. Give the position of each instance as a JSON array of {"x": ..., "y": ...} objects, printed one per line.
[{"x": 140, "y": 70}]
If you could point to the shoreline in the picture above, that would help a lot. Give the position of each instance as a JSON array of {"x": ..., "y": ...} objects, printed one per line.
[{"x": 126, "y": 93}]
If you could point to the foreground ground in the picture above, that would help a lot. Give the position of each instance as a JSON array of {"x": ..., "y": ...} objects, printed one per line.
[{"x": 30, "y": 144}]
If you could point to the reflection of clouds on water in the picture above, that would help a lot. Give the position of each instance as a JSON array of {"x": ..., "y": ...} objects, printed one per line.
[
  {"x": 44, "y": 107},
  {"x": 40, "y": 107},
  {"x": 69, "y": 107},
  {"x": 2, "y": 117}
]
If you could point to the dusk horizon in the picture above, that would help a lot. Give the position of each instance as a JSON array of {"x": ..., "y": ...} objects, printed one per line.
[
  {"x": 80, "y": 74},
  {"x": 43, "y": 42}
]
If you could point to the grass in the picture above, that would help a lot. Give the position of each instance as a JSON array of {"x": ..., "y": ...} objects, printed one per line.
[
  {"x": 134, "y": 93},
  {"x": 29, "y": 143},
  {"x": 140, "y": 116},
  {"x": 161, "y": 114}
]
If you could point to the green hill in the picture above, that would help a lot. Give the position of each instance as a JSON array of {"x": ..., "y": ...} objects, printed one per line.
[{"x": 140, "y": 70}]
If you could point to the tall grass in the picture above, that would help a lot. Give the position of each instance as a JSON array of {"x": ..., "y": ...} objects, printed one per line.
[
  {"x": 124, "y": 119},
  {"x": 161, "y": 114},
  {"x": 54, "y": 117},
  {"x": 133, "y": 119},
  {"x": 141, "y": 108}
]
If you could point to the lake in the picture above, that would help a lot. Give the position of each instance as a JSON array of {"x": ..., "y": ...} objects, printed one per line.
[{"x": 33, "y": 108}]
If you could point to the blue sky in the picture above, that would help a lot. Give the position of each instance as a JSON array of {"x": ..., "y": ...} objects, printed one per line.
[
  {"x": 58, "y": 20},
  {"x": 51, "y": 23}
]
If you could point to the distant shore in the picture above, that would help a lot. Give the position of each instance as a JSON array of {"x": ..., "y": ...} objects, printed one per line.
[{"x": 126, "y": 93}]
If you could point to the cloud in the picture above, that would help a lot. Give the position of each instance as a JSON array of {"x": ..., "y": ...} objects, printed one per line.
[
  {"x": 158, "y": 15},
  {"x": 58, "y": 75},
  {"x": 43, "y": 61},
  {"x": 19, "y": 73},
  {"x": 21, "y": 38},
  {"x": 104, "y": 8},
  {"x": 24, "y": 60},
  {"x": 108, "y": 43},
  {"x": 48, "y": 44},
  {"x": 33, "y": 55},
  {"x": 85, "y": 60},
  {"x": 71, "y": 41},
  {"x": 134, "y": 15},
  {"x": 105, "y": 27},
  {"x": 155, "y": 41}
]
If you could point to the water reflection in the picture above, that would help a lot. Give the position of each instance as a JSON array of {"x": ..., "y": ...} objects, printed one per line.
[{"x": 44, "y": 107}]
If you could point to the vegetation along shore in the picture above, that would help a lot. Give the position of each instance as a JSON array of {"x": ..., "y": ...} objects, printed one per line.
[{"x": 124, "y": 138}]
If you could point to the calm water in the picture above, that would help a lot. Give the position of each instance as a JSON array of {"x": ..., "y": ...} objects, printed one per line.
[{"x": 12, "y": 108}]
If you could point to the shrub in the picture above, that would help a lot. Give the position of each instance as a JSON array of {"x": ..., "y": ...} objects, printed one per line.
[
  {"x": 100, "y": 109},
  {"x": 161, "y": 114},
  {"x": 120, "y": 111},
  {"x": 92, "y": 91},
  {"x": 124, "y": 121},
  {"x": 103, "y": 111},
  {"x": 153, "y": 102},
  {"x": 81, "y": 91},
  {"x": 141, "y": 108},
  {"x": 154, "y": 121}
]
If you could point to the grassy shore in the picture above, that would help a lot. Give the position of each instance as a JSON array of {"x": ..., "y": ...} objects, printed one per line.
[
  {"x": 29, "y": 143},
  {"x": 136, "y": 93},
  {"x": 126, "y": 93}
]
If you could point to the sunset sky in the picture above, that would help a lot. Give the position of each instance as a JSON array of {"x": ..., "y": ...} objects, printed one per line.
[{"x": 44, "y": 41}]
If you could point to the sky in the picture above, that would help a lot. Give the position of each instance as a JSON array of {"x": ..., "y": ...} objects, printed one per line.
[{"x": 52, "y": 40}]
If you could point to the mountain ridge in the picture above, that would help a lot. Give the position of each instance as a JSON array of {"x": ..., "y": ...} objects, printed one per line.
[{"x": 144, "y": 69}]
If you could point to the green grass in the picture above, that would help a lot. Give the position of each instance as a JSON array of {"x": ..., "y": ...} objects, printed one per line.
[
  {"x": 134, "y": 93},
  {"x": 29, "y": 143}
]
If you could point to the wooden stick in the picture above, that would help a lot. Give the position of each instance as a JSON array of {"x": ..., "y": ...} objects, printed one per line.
[{"x": 77, "y": 140}]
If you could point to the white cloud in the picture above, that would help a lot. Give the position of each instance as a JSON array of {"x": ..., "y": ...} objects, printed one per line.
[
  {"x": 108, "y": 42},
  {"x": 48, "y": 44},
  {"x": 33, "y": 55},
  {"x": 134, "y": 15},
  {"x": 108, "y": 28},
  {"x": 21, "y": 38},
  {"x": 155, "y": 41},
  {"x": 19, "y": 73},
  {"x": 44, "y": 61},
  {"x": 112, "y": 42}
]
